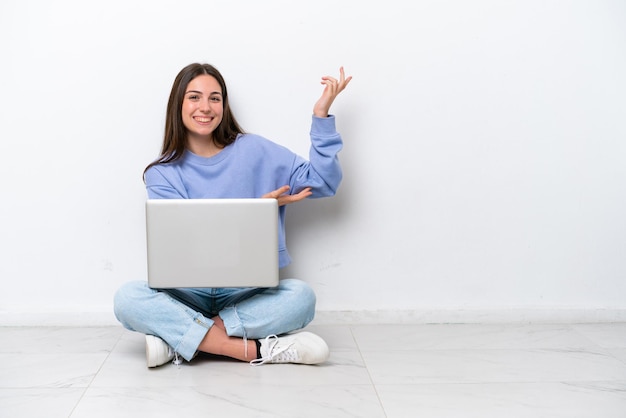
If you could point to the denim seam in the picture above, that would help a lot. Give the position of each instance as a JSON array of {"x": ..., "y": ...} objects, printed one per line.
[
  {"x": 240, "y": 323},
  {"x": 195, "y": 317},
  {"x": 188, "y": 333}
]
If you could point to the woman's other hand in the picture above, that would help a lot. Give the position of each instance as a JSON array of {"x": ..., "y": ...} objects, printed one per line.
[
  {"x": 285, "y": 199},
  {"x": 332, "y": 89}
]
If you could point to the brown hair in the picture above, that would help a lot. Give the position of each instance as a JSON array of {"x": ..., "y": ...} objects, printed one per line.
[{"x": 175, "y": 137}]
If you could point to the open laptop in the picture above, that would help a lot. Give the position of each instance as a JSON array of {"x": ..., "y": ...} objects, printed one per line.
[{"x": 212, "y": 242}]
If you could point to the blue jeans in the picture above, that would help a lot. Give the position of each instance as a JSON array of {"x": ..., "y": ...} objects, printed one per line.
[{"x": 182, "y": 317}]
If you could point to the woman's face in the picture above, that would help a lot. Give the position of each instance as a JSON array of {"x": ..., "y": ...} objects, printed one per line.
[{"x": 203, "y": 107}]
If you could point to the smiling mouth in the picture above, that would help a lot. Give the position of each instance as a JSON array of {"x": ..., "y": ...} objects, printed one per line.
[{"x": 202, "y": 119}]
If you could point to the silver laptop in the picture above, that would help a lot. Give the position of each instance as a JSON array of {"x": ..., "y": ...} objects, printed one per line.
[{"x": 212, "y": 242}]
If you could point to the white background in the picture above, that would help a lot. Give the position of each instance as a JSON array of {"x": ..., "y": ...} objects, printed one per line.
[{"x": 484, "y": 159}]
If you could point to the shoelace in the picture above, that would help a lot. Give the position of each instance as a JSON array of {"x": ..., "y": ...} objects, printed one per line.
[
  {"x": 176, "y": 359},
  {"x": 275, "y": 354}
]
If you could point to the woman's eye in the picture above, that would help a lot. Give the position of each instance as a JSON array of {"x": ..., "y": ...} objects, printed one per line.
[{"x": 216, "y": 99}]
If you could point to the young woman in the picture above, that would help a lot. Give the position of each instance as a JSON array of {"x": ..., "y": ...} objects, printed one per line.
[{"x": 206, "y": 154}]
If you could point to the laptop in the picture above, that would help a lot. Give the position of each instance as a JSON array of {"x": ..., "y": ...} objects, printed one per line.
[{"x": 212, "y": 242}]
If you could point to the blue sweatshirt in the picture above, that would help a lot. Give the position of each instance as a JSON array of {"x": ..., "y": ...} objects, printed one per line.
[{"x": 251, "y": 167}]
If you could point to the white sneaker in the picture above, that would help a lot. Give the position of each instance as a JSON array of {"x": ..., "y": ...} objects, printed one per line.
[
  {"x": 302, "y": 348},
  {"x": 157, "y": 351}
]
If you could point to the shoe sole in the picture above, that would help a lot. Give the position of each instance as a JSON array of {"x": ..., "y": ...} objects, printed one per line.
[{"x": 151, "y": 348}]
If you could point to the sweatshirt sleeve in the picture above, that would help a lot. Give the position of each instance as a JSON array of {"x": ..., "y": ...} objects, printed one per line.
[
  {"x": 322, "y": 172},
  {"x": 159, "y": 186}
]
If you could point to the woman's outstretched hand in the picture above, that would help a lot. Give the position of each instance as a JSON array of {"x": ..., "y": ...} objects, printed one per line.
[
  {"x": 285, "y": 199},
  {"x": 332, "y": 89}
]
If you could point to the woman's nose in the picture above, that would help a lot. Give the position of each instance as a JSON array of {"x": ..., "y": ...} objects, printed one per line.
[{"x": 205, "y": 106}]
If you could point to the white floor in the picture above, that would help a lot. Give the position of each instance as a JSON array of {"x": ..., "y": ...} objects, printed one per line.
[{"x": 393, "y": 371}]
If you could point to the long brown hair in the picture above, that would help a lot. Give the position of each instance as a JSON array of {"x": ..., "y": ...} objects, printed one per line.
[{"x": 175, "y": 138}]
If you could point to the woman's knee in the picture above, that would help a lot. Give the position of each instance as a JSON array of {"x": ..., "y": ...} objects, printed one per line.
[
  {"x": 303, "y": 296},
  {"x": 128, "y": 298}
]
